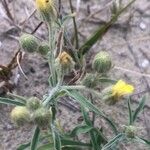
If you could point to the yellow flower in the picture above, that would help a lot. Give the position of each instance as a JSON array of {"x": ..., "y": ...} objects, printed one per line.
[
  {"x": 122, "y": 88},
  {"x": 47, "y": 9},
  {"x": 44, "y": 4}
]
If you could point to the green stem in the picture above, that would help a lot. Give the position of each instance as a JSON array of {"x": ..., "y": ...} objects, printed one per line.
[
  {"x": 93, "y": 113},
  {"x": 51, "y": 58},
  {"x": 17, "y": 97},
  {"x": 81, "y": 87},
  {"x": 51, "y": 95}
]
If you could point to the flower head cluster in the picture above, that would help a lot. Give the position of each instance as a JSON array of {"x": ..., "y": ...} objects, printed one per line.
[
  {"x": 33, "y": 112},
  {"x": 65, "y": 58},
  {"x": 65, "y": 62}
]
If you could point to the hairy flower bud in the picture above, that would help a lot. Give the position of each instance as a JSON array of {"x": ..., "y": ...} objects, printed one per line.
[
  {"x": 90, "y": 80},
  {"x": 47, "y": 9},
  {"x": 33, "y": 103},
  {"x": 29, "y": 43},
  {"x": 130, "y": 131},
  {"x": 102, "y": 62},
  {"x": 65, "y": 62},
  {"x": 43, "y": 48},
  {"x": 20, "y": 115},
  {"x": 42, "y": 117}
]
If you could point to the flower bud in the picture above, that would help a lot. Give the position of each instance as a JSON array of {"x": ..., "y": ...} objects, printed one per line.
[
  {"x": 64, "y": 62},
  {"x": 29, "y": 43},
  {"x": 130, "y": 131},
  {"x": 90, "y": 80},
  {"x": 33, "y": 103},
  {"x": 20, "y": 115},
  {"x": 108, "y": 97},
  {"x": 42, "y": 117},
  {"x": 102, "y": 62},
  {"x": 47, "y": 9},
  {"x": 43, "y": 49}
]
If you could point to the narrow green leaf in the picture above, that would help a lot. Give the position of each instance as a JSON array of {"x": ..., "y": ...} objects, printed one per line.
[
  {"x": 139, "y": 108},
  {"x": 113, "y": 141},
  {"x": 94, "y": 140},
  {"x": 17, "y": 97},
  {"x": 93, "y": 136},
  {"x": 130, "y": 111},
  {"x": 71, "y": 148},
  {"x": 86, "y": 117},
  {"x": 70, "y": 143},
  {"x": 80, "y": 130},
  {"x": 86, "y": 103},
  {"x": 141, "y": 140},
  {"x": 65, "y": 143},
  {"x": 56, "y": 139},
  {"x": 101, "y": 31},
  {"x": 35, "y": 139},
  {"x": 11, "y": 101},
  {"x": 107, "y": 80},
  {"x": 24, "y": 146},
  {"x": 49, "y": 146}
]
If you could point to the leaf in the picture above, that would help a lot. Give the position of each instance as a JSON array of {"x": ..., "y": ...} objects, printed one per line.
[
  {"x": 141, "y": 140},
  {"x": 17, "y": 97},
  {"x": 113, "y": 141},
  {"x": 101, "y": 31},
  {"x": 130, "y": 111},
  {"x": 48, "y": 146},
  {"x": 24, "y": 146},
  {"x": 65, "y": 143},
  {"x": 86, "y": 103},
  {"x": 107, "y": 80},
  {"x": 56, "y": 139},
  {"x": 11, "y": 101},
  {"x": 139, "y": 108},
  {"x": 35, "y": 139},
  {"x": 80, "y": 130},
  {"x": 70, "y": 143},
  {"x": 86, "y": 117},
  {"x": 93, "y": 136}
]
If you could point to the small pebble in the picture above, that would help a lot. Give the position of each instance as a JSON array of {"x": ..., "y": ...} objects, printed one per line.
[
  {"x": 0, "y": 44},
  {"x": 142, "y": 26},
  {"x": 145, "y": 63}
]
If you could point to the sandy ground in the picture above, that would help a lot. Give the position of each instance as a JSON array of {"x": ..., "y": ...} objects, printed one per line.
[{"x": 128, "y": 42}]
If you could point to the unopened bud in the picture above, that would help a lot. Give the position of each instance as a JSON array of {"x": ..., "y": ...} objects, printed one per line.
[
  {"x": 29, "y": 43},
  {"x": 90, "y": 80},
  {"x": 130, "y": 131},
  {"x": 33, "y": 103},
  {"x": 102, "y": 62},
  {"x": 20, "y": 115},
  {"x": 43, "y": 48},
  {"x": 42, "y": 117}
]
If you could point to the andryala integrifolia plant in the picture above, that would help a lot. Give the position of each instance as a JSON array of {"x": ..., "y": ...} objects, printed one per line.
[{"x": 41, "y": 113}]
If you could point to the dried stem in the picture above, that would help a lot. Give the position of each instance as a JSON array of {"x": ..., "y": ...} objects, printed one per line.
[
  {"x": 75, "y": 26},
  {"x": 5, "y": 5}
]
